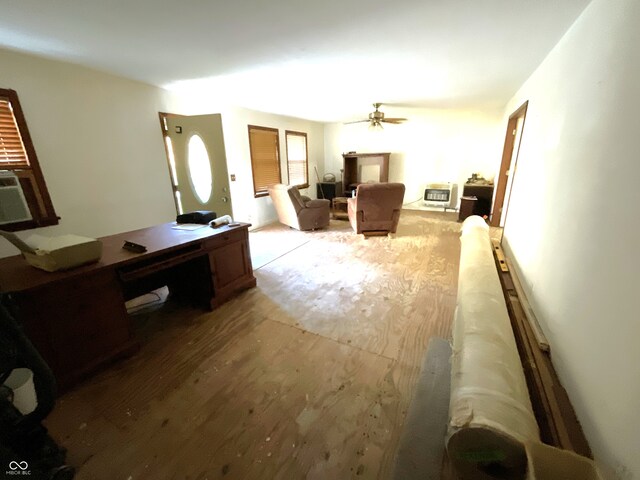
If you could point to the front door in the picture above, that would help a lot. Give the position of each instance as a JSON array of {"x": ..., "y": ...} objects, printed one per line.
[{"x": 197, "y": 162}]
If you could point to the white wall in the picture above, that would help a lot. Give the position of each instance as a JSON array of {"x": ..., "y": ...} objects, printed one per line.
[
  {"x": 260, "y": 211},
  {"x": 432, "y": 146},
  {"x": 572, "y": 224},
  {"x": 98, "y": 142},
  {"x": 235, "y": 122}
]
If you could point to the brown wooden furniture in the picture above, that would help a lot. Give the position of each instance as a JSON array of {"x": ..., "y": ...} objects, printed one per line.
[
  {"x": 339, "y": 205},
  {"x": 467, "y": 207},
  {"x": 329, "y": 190},
  {"x": 77, "y": 318},
  {"x": 484, "y": 194},
  {"x": 352, "y": 166}
]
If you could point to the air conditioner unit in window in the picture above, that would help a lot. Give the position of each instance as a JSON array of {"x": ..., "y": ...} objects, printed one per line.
[{"x": 13, "y": 205}]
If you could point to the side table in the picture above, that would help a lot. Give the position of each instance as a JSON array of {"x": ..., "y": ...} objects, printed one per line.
[{"x": 339, "y": 207}]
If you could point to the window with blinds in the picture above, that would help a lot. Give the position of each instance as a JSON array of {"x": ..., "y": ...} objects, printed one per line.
[
  {"x": 18, "y": 156},
  {"x": 297, "y": 158},
  {"x": 12, "y": 152},
  {"x": 265, "y": 158}
]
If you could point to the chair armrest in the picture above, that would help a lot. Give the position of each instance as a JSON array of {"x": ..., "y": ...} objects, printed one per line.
[
  {"x": 305, "y": 199},
  {"x": 319, "y": 203}
]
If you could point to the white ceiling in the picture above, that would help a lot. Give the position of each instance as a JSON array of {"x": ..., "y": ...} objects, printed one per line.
[{"x": 325, "y": 60}]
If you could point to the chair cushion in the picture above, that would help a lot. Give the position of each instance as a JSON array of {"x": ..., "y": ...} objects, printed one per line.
[{"x": 296, "y": 198}]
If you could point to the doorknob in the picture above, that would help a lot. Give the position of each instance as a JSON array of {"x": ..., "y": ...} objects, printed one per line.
[{"x": 225, "y": 199}]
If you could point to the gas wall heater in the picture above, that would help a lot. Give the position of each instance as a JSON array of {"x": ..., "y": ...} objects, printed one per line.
[
  {"x": 13, "y": 206},
  {"x": 440, "y": 195}
]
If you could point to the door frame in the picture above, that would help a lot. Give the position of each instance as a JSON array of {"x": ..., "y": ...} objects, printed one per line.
[
  {"x": 165, "y": 133},
  {"x": 505, "y": 166}
]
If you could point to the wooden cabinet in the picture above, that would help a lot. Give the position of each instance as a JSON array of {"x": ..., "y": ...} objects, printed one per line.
[
  {"x": 231, "y": 268},
  {"x": 363, "y": 167},
  {"x": 467, "y": 206},
  {"x": 484, "y": 195},
  {"x": 77, "y": 324},
  {"x": 329, "y": 190}
]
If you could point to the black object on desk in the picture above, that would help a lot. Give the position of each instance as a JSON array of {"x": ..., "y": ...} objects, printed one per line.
[
  {"x": 201, "y": 217},
  {"x": 134, "y": 247}
]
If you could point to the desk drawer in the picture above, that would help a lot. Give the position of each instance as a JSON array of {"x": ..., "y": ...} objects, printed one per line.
[{"x": 225, "y": 238}]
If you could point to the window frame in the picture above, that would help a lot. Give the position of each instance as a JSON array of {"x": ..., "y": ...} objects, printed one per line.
[
  {"x": 30, "y": 175},
  {"x": 306, "y": 160},
  {"x": 263, "y": 193}
]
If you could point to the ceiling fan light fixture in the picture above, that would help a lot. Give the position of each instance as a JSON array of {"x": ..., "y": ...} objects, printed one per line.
[{"x": 375, "y": 126}]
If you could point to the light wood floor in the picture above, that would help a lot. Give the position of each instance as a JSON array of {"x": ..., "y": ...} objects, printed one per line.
[{"x": 309, "y": 375}]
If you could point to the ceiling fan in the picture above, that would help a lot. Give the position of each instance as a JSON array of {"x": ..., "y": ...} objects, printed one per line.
[{"x": 376, "y": 118}]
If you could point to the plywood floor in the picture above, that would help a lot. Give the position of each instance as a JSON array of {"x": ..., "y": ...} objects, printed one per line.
[{"x": 307, "y": 376}]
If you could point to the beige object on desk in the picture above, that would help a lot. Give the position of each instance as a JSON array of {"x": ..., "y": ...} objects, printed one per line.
[{"x": 57, "y": 253}]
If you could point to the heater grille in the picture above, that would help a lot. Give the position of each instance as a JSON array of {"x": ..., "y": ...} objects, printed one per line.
[{"x": 438, "y": 194}]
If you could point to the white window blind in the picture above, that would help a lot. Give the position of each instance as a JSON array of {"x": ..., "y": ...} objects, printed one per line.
[{"x": 297, "y": 158}]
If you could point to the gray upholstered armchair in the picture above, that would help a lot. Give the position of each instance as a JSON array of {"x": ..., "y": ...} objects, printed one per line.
[
  {"x": 375, "y": 210},
  {"x": 297, "y": 211}
]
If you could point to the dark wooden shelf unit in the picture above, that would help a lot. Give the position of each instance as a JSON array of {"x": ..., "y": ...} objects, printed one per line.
[{"x": 352, "y": 166}]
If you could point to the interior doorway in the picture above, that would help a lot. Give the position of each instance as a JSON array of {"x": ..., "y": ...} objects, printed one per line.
[
  {"x": 197, "y": 162},
  {"x": 512, "y": 140}
]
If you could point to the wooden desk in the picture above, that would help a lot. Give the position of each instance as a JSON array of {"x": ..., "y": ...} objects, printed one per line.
[{"x": 77, "y": 318}]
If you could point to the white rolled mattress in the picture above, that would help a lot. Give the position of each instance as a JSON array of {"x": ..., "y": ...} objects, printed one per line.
[{"x": 490, "y": 414}]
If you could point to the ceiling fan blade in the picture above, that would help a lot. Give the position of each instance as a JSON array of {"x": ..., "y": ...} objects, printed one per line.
[
  {"x": 356, "y": 121},
  {"x": 394, "y": 120}
]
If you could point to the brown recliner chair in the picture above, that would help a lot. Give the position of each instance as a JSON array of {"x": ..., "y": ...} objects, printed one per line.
[
  {"x": 375, "y": 210},
  {"x": 297, "y": 211}
]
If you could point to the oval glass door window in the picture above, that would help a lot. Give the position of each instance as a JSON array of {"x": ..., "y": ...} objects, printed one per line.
[{"x": 199, "y": 168}]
